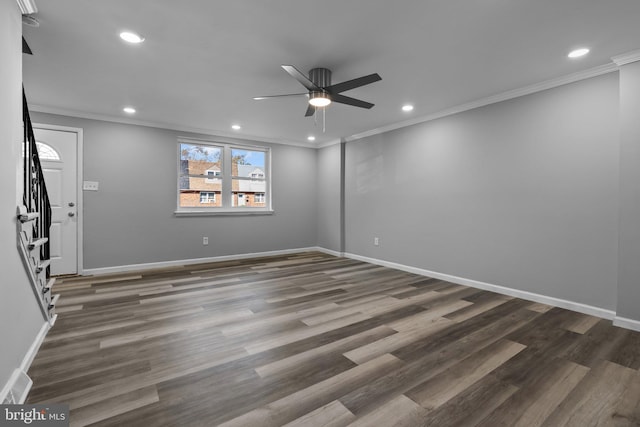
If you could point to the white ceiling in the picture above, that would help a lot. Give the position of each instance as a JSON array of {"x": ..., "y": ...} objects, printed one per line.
[{"x": 203, "y": 61}]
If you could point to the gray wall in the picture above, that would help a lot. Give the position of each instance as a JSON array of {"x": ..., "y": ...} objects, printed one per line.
[
  {"x": 329, "y": 187},
  {"x": 20, "y": 316},
  {"x": 130, "y": 220},
  {"x": 629, "y": 262},
  {"x": 521, "y": 194}
]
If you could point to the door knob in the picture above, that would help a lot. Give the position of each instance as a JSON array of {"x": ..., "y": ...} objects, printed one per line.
[
  {"x": 71, "y": 214},
  {"x": 71, "y": 204}
]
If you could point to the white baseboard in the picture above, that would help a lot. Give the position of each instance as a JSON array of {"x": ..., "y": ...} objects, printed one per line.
[
  {"x": 19, "y": 384},
  {"x": 529, "y": 296},
  {"x": 623, "y": 322},
  {"x": 176, "y": 263},
  {"x": 329, "y": 252}
]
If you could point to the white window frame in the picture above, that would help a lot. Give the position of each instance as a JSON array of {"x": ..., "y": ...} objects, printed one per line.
[{"x": 226, "y": 195}]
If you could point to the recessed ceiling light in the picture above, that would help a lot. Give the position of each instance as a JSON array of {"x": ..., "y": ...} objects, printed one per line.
[
  {"x": 129, "y": 110},
  {"x": 311, "y": 138},
  {"x": 578, "y": 53},
  {"x": 131, "y": 37},
  {"x": 236, "y": 127},
  {"x": 407, "y": 107}
]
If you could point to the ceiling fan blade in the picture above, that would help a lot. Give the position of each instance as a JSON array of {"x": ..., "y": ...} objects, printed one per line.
[
  {"x": 311, "y": 110},
  {"x": 352, "y": 84},
  {"x": 25, "y": 47},
  {"x": 293, "y": 72},
  {"x": 350, "y": 101},
  {"x": 258, "y": 98}
]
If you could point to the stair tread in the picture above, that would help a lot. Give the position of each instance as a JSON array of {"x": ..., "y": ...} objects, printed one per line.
[
  {"x": 42, "y": 265},
  {"x": 38, "y": 242}
]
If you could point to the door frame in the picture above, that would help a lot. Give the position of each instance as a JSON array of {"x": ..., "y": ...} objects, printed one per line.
[{"x": 79, "y": 192}]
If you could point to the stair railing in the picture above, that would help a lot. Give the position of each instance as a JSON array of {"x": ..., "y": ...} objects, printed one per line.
[
  {"x": 34, "y": 219},
  {"x": 35, "y": 196}
]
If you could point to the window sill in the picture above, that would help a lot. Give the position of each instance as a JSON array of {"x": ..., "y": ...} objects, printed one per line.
[{"x": 224, "y": 212}]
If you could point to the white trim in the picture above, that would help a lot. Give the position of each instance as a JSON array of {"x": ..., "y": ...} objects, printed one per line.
[
  {"x": 163, "y": 264},
  {"x": 166, "y": 126},
  {"x": 626, "y": 58},
  {"x": 504, "y": 96},
  {"x": 19, "y": 380},
  {"x": 328, "y": 143},
  {"x": 204, "y": 211},
  {"x": 330, "y": 252},
  {"x": 79, "y": 192},
  {"x": 529, "y": 296},
  {"x": 623, "y": 322},
  {"x": 37, "y": 342}
]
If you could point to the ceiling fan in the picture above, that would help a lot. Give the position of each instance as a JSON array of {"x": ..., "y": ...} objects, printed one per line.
[{"x": 320, "y": 90}]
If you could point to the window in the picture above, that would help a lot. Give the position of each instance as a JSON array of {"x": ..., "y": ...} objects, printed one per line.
[
  {"x": 213, "y": 175},
  {"x": 222, "y": 178},
  {"x": 207, "y": 197},
  {"x": 46, "y": 152}
]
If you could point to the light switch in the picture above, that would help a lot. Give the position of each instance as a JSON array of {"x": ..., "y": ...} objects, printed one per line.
[{"x": 90, "y": 185}]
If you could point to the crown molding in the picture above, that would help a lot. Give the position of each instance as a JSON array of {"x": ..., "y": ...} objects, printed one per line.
[
  {"x": 167, "y": 126},
  {"x": 328, "y": 143},
  {"x": 504, "y": 96},
  {"x": 626, "y": 58}
]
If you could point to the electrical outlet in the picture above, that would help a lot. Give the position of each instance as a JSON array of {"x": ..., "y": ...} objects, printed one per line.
[
  {"x": 205, "y": 241},
  {"x": 376, "y": 241}
]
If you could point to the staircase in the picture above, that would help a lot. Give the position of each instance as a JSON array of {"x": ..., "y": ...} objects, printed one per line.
[{"x": 33, "y": 223}]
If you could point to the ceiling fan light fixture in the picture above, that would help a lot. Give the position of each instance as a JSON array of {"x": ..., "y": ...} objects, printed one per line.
[{"x": 319, "y": 99}]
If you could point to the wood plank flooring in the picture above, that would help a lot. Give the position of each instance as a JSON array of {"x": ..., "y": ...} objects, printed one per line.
[{"x": 314, "y": 340}]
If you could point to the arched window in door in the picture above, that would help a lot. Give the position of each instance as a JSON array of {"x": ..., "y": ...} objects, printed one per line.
[{"x": 47, "y": 152}]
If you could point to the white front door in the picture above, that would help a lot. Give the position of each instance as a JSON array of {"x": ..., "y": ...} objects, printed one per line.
[{"x": 58, "y": 156}]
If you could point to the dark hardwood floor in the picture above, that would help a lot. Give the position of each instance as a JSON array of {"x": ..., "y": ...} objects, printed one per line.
[{"x": 314, "y": 340}]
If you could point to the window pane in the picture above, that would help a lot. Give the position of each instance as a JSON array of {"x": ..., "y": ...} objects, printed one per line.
[
  {"x": 200, "y": 171},
  {"x": 249, "y": 184},
  {"x": 46, "y": 152},
  {"x": 249, "y": 193},
  {"x": 247, "y": 163}
]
